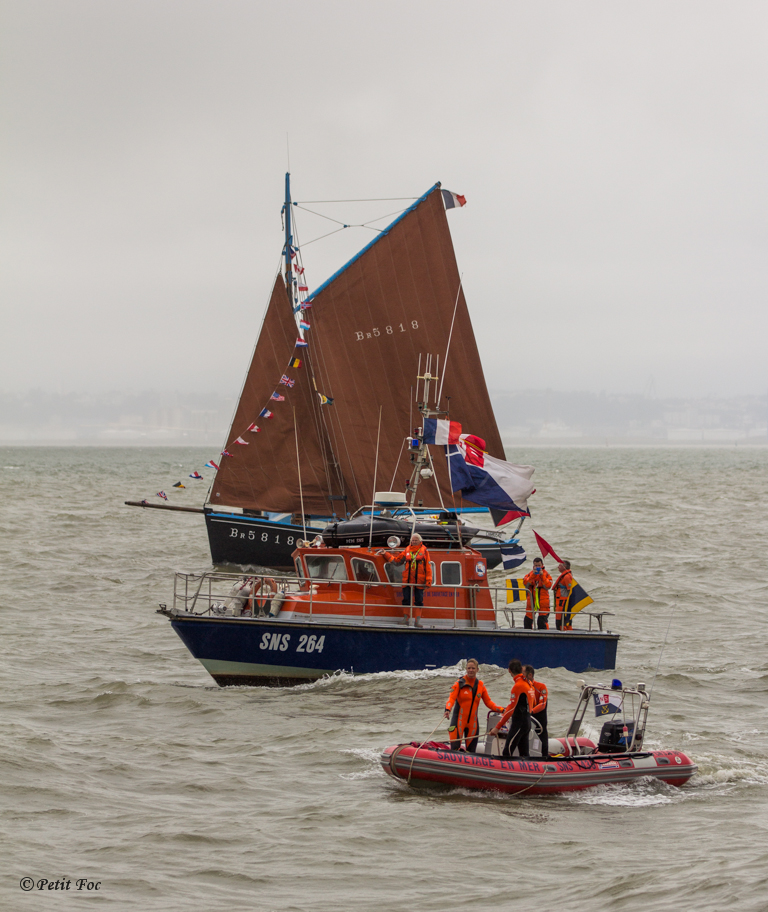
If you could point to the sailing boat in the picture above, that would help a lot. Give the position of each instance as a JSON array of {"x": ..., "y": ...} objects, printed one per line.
[{"x": 349, "y": 349}]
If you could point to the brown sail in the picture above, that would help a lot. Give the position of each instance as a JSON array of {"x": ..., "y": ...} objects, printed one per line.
[
  {"x": 370, "y": 322},
  {"x": 264, "y": 474}
]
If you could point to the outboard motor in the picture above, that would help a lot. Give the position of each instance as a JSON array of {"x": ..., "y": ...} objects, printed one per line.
[{"x": 612, "y": 739}]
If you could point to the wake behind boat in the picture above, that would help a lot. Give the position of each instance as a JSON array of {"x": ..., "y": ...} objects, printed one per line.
[{"x": 574, "y": 762}]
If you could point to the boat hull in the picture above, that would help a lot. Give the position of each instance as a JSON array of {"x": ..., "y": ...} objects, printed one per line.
[
  {"x": 532, "y": 775},
  {"x": 236, "y": 538},
  {"x": 256, "y": 651}
]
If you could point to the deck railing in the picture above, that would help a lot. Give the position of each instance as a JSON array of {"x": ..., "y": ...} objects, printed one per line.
[{"x": 211, "y": 592}]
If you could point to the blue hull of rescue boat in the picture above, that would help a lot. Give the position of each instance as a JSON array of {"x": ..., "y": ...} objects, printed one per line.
[{"x": 275, "y": 653}]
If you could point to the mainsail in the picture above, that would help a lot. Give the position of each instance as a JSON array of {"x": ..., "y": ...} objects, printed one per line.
[{"x": 371, "y": 323}]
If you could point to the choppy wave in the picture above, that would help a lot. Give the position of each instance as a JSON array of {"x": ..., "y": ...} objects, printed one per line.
[{"x": 123, "y": 761}]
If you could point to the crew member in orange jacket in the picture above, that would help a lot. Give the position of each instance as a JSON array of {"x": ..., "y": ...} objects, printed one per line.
[
  {"x": 539, "y": 711},
  {"x": 462, "y": 706},
  {"x": 417, "y": 576},
  {"x": 562, "y": 589},
  {"x": 518, "y": 713},
  {"x": 537, "y": 582}
]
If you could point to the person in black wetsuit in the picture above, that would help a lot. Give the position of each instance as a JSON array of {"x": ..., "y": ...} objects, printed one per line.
[{"x": 518, "y": 713}]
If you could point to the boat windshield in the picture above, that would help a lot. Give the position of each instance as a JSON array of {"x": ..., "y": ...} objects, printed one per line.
[
  {"x": 326, "y": 567},
  {"x": 395, "y": 573},
  {"x": 364, "y": 570}
]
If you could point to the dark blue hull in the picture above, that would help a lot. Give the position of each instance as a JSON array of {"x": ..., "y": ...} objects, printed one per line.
[
  {"x": 276, "y": 653},
  {"x": 236, "y": 538}
]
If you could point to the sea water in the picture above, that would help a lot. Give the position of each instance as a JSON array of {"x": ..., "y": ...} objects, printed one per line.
[{"x": 128, "y": 773}]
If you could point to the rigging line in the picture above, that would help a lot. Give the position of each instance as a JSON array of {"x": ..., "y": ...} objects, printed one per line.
[
  {"x": 450, "y": 335},
  {"x": 321, "y": 354},
  {"x": 322, "y": 236},
  {"x": 366, "y": 224},
  {"x": 380, "y": 199},
  {"x": 321, "y": 425},
  {"x": 315, "y": 407},
  {"x": 320, "y": 215},
  {"x": 378, "y": 219},
  {"x": 662, "y": 650},
  {"x": 397, "y": 466},
  {"x": 375, "y": 472},
  {"x": 298, "y": 469}
]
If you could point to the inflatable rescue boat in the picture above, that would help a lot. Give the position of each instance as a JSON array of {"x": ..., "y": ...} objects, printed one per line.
[{"x": 573, "y": 763}]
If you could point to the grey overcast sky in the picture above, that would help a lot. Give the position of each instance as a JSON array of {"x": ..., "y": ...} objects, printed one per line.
[{"x": 614, "y": 156}]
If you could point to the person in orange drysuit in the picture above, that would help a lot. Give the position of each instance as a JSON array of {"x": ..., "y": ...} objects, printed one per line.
[
  {"x": 416, "y": 578},
  {"x": 539, "y": 711},
  {"x": 462, "y": 706},
  {"x": 518, "y": 713},
  {"x": 537, "y": 582},
  {"x": 562, "y": 589}
]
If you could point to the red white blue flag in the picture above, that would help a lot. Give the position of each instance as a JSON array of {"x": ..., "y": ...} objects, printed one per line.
[
  {"x": 453, "y": 200},
  {"x": 225, "y": 453},
  {"x": 211, "y": 465},
  {"x": 304, "y": 325},
  {"x": 487, "y": 481},
  {"x": 441, "y": 432},
  {"x": 265, "y": 413},
  {"x": 277, "y": 397},
  {"x": 286, "y": 381},
  {"x": 162, "y": 494},
  {"x": 196, "y": 475},
  {"x": 300, "y": 343}
]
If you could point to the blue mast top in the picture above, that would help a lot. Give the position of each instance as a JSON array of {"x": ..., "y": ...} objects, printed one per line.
[{"x": 288, "y": 236}]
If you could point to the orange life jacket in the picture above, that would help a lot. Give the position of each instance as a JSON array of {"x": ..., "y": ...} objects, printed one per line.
[
  {"x": 462, "y": 699},
  {"x": 521, "y": 690},
  {"x": 418, "y": 569},
  {"x": 562, "y": 589},
  {"x": 537, "y": 585}
]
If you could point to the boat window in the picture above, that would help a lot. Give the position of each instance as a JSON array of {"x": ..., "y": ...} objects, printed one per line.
[
  {"x": 326, "y": 567},
  {"x": 450, "y": 573},
  {"x": 434, "y": 572},
  {"x": 395, "y": 573},
  {"x": 364, "y": 570},
  {"x": 299, "y": 568}
]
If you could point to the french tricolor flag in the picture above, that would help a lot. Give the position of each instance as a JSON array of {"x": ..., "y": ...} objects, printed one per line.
[
  {"x": 441, "y": 432},
  {"x": 453, "y": 200},
  {"x": 493, "y": 483}
]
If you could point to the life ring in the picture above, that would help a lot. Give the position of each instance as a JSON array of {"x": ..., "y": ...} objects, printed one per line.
[{"x": 263, "y": 591}]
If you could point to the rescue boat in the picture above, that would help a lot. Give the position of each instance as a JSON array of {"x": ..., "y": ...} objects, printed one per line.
[
  {"x": 574, "y": 762},
  {"x": 342, "y": 611}
]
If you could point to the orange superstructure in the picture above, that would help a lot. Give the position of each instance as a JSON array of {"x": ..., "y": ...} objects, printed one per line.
[{"x": 350, "y": 583}]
